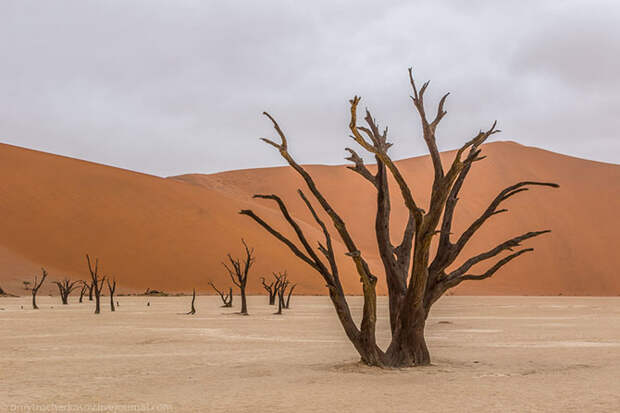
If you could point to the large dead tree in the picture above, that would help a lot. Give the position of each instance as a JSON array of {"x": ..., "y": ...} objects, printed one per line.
[
  {"x": 111, "y": 290},
  {"x": 238, "y": 270},
  {"x": 35, "y": 287},
  {"x": 271, "y": 288},
  {"x": 415, "y": 277},
  {"x": 96, "y": 282},
  {"x": 65, "y": 287},
  {"x": 90, "y": 291},
  {"x": 227, "y": 299}
]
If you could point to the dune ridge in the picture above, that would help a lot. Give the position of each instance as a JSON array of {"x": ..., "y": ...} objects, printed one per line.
[{"x": 173, "y": 233}]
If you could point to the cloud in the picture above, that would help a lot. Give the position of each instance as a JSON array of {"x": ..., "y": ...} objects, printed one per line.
[{"x": 174, "y": 87}]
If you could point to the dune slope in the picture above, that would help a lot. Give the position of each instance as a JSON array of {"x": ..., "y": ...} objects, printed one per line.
[{"x": 173, "y": 233}]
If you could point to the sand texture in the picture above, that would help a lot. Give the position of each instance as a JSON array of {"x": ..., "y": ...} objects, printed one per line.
[{"x": 490, "y": 354}]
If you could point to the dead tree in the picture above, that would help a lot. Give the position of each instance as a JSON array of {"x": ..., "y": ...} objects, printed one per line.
[
  {"x": 238, "y": 270},
  {"x": 96, "y": 282},
  {"x": 83, "y": 290},
  {"x": 272, "y": 290},
  {"x": 415, "y": 277},
  {"x": 192, "y": 310},
  {"x": 287, "y": 303},
  {"x": 111, "y": 289},
  {"x": 227, "y": 299},
  {"x": 35, "y": 288},
  {"x": 65, "y": 287},
  {"x": 282, "y": 284}
]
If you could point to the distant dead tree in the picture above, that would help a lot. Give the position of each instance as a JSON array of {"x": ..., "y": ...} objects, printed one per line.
[
  {"x": 111, "y": 289},
  {"x": 287, "y": 303},
  {"x": 65, "y": 287},
  {"x": 35, "y": 287},
  {"x": 227, "y": 299},
  {"x": 83, "y": 290},
  {"x": 192, "y": 311},
  {"x": 96, "y": 282},
  {"x": 282, "y": 284},
  {"x": 238, "y": 270},
  {"x": 415, "y": 277},
  {"x": 271, "y": 288}
]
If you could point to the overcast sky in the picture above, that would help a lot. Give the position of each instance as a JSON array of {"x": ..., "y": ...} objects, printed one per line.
[{"x": 171, "y": 87}]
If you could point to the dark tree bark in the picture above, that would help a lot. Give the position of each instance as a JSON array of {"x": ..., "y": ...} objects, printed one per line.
[
  {"x": 83, "y": 290},
  {"x": 227, "y": 299},
  {"x": 111, "y": 289},
  {"x": 238, "y": 270},
  {"x": 414, "y": 280},
  {"x": 35, "y": 288},
  {"x": 65, "y": 287},
  {"x": 91, "y": 288},
  {"x": 272, "y": 290},
  {"x": 96, "y": 282},
  {"x": 192, "y": 310}
]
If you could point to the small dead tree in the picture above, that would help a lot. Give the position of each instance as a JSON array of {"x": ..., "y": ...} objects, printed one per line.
[
  {"x": 416, "y": 274},
  {"x": 35, "y": 288},
  {"x": 282, "y": 284},
  {"x": 271, "y": 288},
  {"x": 65, "y": 287},
  {"x": 83, "y": 290},
  {"x": 192, "y": 310},
  {"x": 111, "y": 289},
  {"x": 287, "y": 303},
  {"x": 96, "y": 282},
  {"x": 238, "y": 270},
  {"x": 227, "y": 299}
]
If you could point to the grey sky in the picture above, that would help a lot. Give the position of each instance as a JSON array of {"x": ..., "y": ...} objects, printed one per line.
[{"x": 171, "y": 87}]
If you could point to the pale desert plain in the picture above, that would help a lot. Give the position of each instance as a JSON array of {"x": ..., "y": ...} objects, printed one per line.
[{"x": 490, "y": 354}]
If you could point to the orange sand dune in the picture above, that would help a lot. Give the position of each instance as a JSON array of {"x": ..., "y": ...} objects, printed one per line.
[{"x": 173, "y": 233}]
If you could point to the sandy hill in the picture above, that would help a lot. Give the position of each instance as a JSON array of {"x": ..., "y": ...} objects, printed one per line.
[{"x": 173, "y": 233}]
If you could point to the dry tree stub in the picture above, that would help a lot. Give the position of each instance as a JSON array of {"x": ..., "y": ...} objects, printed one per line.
[
  {"x": 227, "y": 299},
  {"x": 271, "y": 288},
  {"x": 415, "y": 276},
  {"x": 111, "y": 290},
  {"x": 192, "y": 310},
  {"x": 35, "y": 288},
  {"x": 238, "y": 270},
  {"x": 96, "y": 282},
  {"x": 65, "y": 287}
]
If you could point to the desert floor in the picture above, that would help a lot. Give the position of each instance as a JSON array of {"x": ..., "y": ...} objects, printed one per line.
[{"x": 498, "y": 354}]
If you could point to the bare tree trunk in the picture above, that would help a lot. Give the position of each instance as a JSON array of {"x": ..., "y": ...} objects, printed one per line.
[
  {"x": 96, "y": 282},
  {"x": 90, "y": 291},
  {"x": 36, "y": 286},
  {"x": 83, "y": 291},
  {"x": 111, "y": 289},
  {"x": 288, "y": 298},
  {"x": 65, "y": 287}
]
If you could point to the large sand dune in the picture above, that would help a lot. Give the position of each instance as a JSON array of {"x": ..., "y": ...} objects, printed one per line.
[{"x": 173, "y": 233}]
